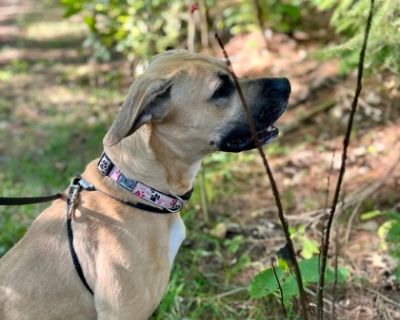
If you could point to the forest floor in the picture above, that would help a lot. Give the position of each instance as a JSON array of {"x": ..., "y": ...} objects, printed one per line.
[{"x": 56, "y": 104}]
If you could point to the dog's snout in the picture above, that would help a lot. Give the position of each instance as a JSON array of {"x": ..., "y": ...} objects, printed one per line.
[
  {"x": 276, "y": 92},
  {"x": 282, "y": 85}
]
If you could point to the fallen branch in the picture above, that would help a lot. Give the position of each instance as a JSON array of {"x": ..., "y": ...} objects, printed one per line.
[
  {"x": 285, "y": 227},
  {"x": 346, "y": 141}
]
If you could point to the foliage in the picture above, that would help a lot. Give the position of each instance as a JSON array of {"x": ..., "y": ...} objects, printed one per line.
[
  {"x": 139, "y": 29},
  {"x": 265, "y": 283},
  {"x": 348, "y": 19},
  {"x": 309, "y": 247},
  {"x": 136, "y": 28},
  {"x": 278, "y": 15}
]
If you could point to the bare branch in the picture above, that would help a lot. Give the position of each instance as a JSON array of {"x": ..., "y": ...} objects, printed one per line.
[
  {"x": 285, "y": 227},
  {"x": 346, "y": 141}
]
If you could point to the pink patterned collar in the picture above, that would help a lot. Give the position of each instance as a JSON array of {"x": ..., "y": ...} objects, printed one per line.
[{"x": 142, "y": 191}]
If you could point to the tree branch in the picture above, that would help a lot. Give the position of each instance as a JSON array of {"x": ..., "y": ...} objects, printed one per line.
[
  {"x": 285, "y": 227},
  {"x": 346, "y": 141}
]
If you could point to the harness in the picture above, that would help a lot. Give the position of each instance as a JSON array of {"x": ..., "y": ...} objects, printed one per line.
[{"x": 159, "y": 203}]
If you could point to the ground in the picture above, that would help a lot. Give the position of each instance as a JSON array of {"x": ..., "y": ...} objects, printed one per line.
[{"x": 56, "y": 104}]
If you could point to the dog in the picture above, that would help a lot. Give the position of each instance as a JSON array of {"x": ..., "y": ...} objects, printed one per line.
[{"x": 182, "y": 108}]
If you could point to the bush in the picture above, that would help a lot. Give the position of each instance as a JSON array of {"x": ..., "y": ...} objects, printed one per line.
[
  {"x": 138, "y": 29},
  {"x": 135, "y": 28}
]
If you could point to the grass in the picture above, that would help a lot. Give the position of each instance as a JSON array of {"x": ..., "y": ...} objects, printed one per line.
[{"x": 204, "y": 271}]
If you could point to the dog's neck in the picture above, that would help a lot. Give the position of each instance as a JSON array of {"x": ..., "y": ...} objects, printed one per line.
[{"x": 168, "y": 172}]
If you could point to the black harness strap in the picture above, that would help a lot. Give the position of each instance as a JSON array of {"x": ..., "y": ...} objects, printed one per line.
[
  {"x": 74, "y": 256},
  {"x": 72, "y": 201}
]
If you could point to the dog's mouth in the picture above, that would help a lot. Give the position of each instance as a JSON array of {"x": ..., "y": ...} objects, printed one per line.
[
  {"x": 266, "y": 108},
  {"x": 247, "y": 142}
]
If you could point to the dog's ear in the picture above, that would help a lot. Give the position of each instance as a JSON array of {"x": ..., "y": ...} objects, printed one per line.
[{"x": 145, "y": 102}]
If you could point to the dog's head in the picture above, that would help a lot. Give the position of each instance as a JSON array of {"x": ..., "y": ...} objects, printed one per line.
[{"x": 189, "y": 101}]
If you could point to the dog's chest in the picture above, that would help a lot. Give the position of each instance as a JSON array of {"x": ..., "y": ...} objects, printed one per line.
[{"x": 176, "y": 236}]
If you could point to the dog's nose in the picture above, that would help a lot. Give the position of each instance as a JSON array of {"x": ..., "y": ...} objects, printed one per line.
[
  {"x": 283, "y": 85},
  {"x": 277, "y": 92}
]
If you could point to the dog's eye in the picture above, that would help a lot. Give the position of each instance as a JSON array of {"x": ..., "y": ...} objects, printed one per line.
[{"x": 225, "y": 88}]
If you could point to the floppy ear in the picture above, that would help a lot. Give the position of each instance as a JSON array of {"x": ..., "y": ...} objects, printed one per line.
[{"x": 145, "y": 102}]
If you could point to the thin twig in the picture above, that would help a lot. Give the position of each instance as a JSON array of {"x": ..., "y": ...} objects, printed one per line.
[
  {"x": 314, "y": 294},
  {"x": 350, "y": 222},
  {"x": 280, "y": 288},
  {"x": 231, "y": 292},
  {"x": 285, "y": 227},
  {"x": 346, "y": 141},
  {"x": 335, "y": 282}
]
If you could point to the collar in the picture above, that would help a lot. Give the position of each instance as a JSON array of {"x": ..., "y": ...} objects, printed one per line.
[{"x": 141, "y": 190}]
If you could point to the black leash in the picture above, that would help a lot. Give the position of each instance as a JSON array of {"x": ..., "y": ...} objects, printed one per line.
[
  {"x": 72, "y": 201},
  {"x": 10, "y": 201}
]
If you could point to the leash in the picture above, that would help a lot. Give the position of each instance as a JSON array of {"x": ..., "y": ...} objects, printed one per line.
[
  {"x": 10, "y": 201},
  {"x": 72, "y": 200}
]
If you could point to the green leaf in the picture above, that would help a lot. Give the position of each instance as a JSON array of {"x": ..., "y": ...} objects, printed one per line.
[
  {"x": 289, "y": 289},
  {"x": 310, "y": 248},
  {"x": 309, "y": 270},
  {"x": 342, "y": 276},
  {"x": 392, "y": 214},
  {"x": 265, "y": 283}
]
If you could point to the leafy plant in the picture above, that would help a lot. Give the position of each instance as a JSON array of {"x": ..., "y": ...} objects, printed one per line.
[
  {"x": 265, "y": 283},
  {"x": 137, "y": 29},
  {"x": 348, "y": 20},
  {"x": 309, "y": 247}
]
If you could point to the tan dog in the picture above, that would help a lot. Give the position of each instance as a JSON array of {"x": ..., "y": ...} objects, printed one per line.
[{"x": 182, "y": 108}]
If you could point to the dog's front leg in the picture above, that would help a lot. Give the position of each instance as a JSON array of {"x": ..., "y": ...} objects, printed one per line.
[
  {"x": 127, "y": 291},
  {"x": 138, "y": 308}
]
